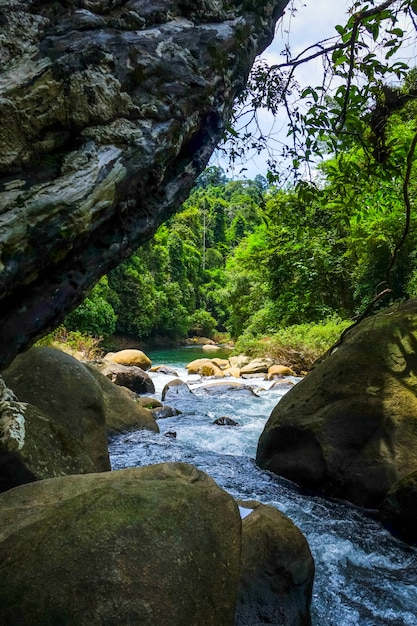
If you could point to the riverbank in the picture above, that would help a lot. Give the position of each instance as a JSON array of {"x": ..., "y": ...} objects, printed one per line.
[
  {"x": 364, "y": 576},
  {"x": 298, "y": 346}
]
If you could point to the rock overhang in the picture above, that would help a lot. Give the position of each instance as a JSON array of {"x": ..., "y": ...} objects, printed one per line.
[{"x": 109, "y": 111}]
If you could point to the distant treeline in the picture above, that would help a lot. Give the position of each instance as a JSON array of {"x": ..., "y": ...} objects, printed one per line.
[{"x": 243, "y": 256}]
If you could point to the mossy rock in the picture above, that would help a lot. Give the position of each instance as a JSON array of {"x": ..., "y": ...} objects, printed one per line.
[
  {"x": 151, "y": 545},
  {"x": 122, "y": 411},
  {"x": 46, "y": 449},
  {"x": 277, "y": 570},
  {"x": 349, "y": 428},
  {"x": 63, "y": 419}
]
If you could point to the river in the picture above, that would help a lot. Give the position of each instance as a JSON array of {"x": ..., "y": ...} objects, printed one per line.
[{"x": 364, "y": 576}]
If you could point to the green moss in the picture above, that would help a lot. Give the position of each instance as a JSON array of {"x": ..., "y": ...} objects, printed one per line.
[{"x": 122, "y": 548}]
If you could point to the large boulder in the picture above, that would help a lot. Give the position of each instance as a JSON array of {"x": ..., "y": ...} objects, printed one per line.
[
  {"x": 57, "y": 423},
  {"x": 122, "y": 411},
  {"x": 349, "y": 428},
  {"x": 130, "y": 357},
  {"x": 157, "y": 545},
  {"x": 108, "y": 112},
  {"x": 277, "y": 571},
  {"x": 130, "y": 376}
]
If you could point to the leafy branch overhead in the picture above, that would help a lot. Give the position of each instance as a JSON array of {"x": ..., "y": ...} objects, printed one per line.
[{"x": 361, "y": 68}]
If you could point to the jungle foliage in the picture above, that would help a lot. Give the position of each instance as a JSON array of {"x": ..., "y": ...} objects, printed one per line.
[
  {"x": 247, "y": 257},
  {"x": 253, "y": 257}
]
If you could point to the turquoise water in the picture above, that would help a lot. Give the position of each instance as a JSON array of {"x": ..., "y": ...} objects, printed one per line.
[
  {"x": 364, "y": 576},
  {"x": 179, "y": 357}
]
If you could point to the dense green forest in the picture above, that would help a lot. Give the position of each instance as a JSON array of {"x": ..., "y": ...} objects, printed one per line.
[
  {"x": 290, "y": 258},
  {"x": 247, "y": 258}
]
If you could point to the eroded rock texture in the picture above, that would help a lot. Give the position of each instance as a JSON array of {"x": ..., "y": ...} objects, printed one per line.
[{"x": 109, "y": 109}]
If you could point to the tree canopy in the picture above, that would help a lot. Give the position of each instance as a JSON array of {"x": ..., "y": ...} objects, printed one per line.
[{"x": 250, "y": 257}]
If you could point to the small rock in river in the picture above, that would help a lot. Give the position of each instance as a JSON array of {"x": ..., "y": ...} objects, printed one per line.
[{"x": 225, "y": 421}]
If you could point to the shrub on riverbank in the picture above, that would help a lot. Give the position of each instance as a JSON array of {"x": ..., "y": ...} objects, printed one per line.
[
  {"x": 73, "y": 342},
  {"x": 298, "y": 346}
]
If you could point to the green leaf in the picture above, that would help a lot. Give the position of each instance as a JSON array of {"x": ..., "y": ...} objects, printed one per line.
[
  {"x": 342, "y": 59},
  {"x": 398, "y": 32},
  {"x": 346, "y": 36}
]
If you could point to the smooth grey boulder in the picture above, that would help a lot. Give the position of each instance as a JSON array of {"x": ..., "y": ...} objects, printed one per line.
[
  {"x": 108, "y": 112},
  {"x": 176, "y": 388},
  {"x": 277, "y": 570}
]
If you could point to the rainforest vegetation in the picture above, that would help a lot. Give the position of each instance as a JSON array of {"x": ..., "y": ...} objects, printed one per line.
[
  {"x": 244, "y": 257},
  {"x": 297, "y": 258}
]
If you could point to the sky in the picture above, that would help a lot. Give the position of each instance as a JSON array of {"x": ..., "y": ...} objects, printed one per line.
[{"x": 314, "y": 21}]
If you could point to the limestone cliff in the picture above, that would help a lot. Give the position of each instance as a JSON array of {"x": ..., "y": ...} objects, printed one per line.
[{"x": 109, "y": 109}]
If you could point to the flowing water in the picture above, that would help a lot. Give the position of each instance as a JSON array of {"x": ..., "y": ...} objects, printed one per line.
[{"x": 364, "y": 576}]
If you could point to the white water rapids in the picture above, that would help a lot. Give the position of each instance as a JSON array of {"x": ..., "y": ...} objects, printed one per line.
[{"x": 364, "y": 576}]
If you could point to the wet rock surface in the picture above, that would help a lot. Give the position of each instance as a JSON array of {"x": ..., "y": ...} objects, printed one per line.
[
  {"x": 277, "y": 571},
  {"x": 176, "y": 389}
]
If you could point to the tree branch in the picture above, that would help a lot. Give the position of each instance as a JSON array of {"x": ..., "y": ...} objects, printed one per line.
[
  {"x": 358, "y": 18},
  {"x": 407, "y": 202}
]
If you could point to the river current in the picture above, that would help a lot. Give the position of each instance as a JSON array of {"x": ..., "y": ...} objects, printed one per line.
[{"x": 364, "y": 576}]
